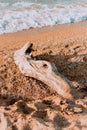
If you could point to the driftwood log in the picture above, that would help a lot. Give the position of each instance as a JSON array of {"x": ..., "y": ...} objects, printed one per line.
[{"x": 41, "y": 70}]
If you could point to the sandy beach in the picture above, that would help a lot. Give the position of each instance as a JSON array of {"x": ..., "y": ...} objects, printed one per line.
[{"x": 27, "y": 103}]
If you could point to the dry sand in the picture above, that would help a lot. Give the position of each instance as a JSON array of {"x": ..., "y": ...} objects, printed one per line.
[{"x": 28, "y": 104}]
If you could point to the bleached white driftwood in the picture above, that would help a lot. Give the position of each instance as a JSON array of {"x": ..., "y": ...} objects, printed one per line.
[
  {"x": 41, "y": 70},
  {"x": 3, "y": 121}
]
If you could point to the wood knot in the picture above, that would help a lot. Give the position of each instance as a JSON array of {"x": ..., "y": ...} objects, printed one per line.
[{"x": 45, "y": 66}]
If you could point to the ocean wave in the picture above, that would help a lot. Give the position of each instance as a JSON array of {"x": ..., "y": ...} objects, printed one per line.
[{"x": 24, "y": 15}]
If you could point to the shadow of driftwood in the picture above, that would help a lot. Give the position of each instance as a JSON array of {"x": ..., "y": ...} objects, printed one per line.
[
  {"x": 75, "y": 70},
  {"x": 72, "y": 70}
]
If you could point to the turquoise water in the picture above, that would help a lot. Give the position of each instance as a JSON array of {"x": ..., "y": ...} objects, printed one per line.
[{"x": 16, "y": 15}]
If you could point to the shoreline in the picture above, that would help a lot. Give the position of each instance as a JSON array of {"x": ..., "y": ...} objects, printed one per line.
[
  {"x": 62, "y": 31},
  {"x": 80, "y": 23}
]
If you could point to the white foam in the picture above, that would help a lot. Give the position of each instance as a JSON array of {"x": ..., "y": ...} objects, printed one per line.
[
  {"x": 3, "y": 4},
  {"x": 23, "y": 15}
]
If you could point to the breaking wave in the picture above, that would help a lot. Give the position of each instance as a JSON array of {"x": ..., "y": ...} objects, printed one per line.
[{"x": 24, "y": 15}]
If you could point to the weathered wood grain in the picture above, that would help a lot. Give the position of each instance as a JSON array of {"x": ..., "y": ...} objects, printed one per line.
[{"x": 41, "y": 70}]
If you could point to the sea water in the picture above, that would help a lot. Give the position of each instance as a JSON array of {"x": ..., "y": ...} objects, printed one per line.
[{"x": 16, "y": 15}]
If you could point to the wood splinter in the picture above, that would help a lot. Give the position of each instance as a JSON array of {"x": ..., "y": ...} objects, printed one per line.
[{"x": 41, "y": 70}]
